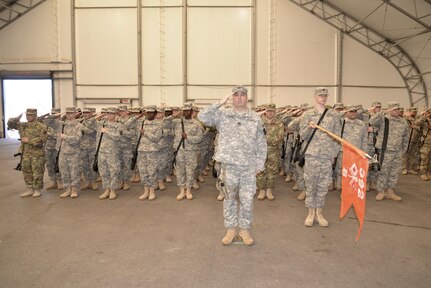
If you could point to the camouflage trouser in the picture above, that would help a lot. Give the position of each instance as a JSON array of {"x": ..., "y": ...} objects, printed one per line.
[
  {"x": 337, "y": 171},
  {"x": 185, "y": 167},
  {"x": 317, "y": 176},
  {"x": 410, "y": 159},
  {"x": 33, "y": 168},
  {"x": 390, "y": 171},
  {"x": 425, "y": 158},
  {"x": 70, "y": 169},
  {"x": 126, "y": 155},
  {"x": 87, "y": 160},
  {"x": 240, "y": 183},
  {"x": 170, "y": 167},
  {"x": 298, "y": 175},
  {"x": 289, "y": 167},
  {"x": 147, "y": 163},
  {"x": 205, "y": 158},
  {"x": 372, "y": 174},
  {"x": 163, "y": 163},
  {"x": 198, "y": 160},
  {"x": 50, "y": 159},
  {"x": 266, "y": 178},
  {"x": 109, "y": 170}
]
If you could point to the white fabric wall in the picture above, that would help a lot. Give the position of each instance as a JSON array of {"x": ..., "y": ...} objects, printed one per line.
[{"x": 219, "y": 53}]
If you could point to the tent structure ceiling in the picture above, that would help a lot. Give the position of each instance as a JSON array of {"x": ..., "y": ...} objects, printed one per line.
[{"x": 10, "y": 10}]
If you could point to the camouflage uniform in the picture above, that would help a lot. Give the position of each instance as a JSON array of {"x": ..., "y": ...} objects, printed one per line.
[
  {"x": 187, "y": 159},
  {"x": 165, "y": 149},
  {"x": 148, "y": 151},
  {"x": 52, "y": 124},
  {"x": 109, "y": 155},
  {"x": 128, "y": 132},
  {"x": 319, "y": 155},
  {"x": 371, "y": 150},
  {"x": 355, "y": 132},
  {"x": 274, "y": 138},
  {"x": 425, "y": 149},
  {"x": 397, "y": 142},
  {"x": 33, "y": 152},
  {"x": 241, "y": 150},
  {"x": 411, "y": 157},
  {"x": 69, "y": 159},
  {"x": 88, "y": 148},
  {"x": 298, "y": 171}
]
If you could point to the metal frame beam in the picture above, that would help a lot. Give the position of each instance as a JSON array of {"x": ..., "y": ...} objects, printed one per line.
[
  {"x": 16, "y": 10},
  {"x": 372, "y": 39}
]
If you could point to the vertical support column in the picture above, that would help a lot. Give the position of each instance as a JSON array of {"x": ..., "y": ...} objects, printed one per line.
[
  {"x": 55, "y": 52},
  {"x": 253, "y": 52},
  {"x": 185, "y": 66},
  {"x": 162, "y": 52},
  {"x": 73, "y": 32},
  {"x": 272, "y": 50},
  {"x": 139, "y": 35},
  {"x": 339, "y": 67}
]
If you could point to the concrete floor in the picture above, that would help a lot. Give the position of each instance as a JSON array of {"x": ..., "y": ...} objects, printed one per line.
[{"x": 85, "y": 242}]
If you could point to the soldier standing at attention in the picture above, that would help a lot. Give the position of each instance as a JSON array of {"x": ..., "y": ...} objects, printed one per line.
[
  {"x": 319, "y": 156},
  {"x": 69, "y": 162},
  {"x": 241, "y": 152},
  {"x": 126, "y": 144},
  {"x": 425, "y": 150},
  {"x": 274, "y": 138},
  {"x": 33, "y": 137},
  {"x": 88, "y": 149},
  {"x": 396, "y": 131},
  {"x": 52, "y": 122},
  {"x": 411, "y": 157}
]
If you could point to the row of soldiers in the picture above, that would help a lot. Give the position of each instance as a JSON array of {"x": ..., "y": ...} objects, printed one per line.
[
  {"x": 406, "y": 146},
  {"x": 153, "y": 140},
  {"x": 119, "y": 146}
]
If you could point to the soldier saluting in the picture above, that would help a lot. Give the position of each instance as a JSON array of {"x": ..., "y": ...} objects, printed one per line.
[{"x": 33, "y": 138}]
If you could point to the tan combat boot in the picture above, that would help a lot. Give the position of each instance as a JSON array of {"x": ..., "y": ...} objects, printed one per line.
[
  {"x": 320, "y": 219},
  {"x": 189, "y": 194},
  {"x": 246, "y": 238},
  {"x": 152, "y": 194},
  {"x": 36, "y": 193},
  {"x": 261, "y": 195},
  {"x": 288, "y": 178},
  {"x": 425, "y": 177},
  {"x": 269, "y": 194},
  {"x": 195, "y": 185},
  {"x": 228, "y": 238},
  {"x": 201, "y": 178},
  {"x": 220, "y": 196},
  {"x": 126, "y": 185},
  {"x": 310, "y": 217},
  {"x": 404, "y": 172},
  {"x": 413, "y": 172},
  {"x": 162, "y": 185},
  {"x": 295, "y": 187},
  {"x": 301, "y": 196},
  {"x": 59, "y": 185},
  {"x": 27, "y": 193},
  {"x": 99, "y": 179},
  {"x": 205, "y": 173},
  {"x": 331, "y": 186},
  {"x": 66, "y": 193},
  {"x": 74, "y": 193},
  {"x": 390, "y": 194},
  {"x": 104, "y": 195},
  {"x": 145, "y": 194},
  {"x": 380, "y": 196},
  {"x": 52, "y": 185},
  {"x": 112, "y": 194},
  {"x": 168, "y": 179},
  {"x": 94, "y": 185},
  {"x": 182, "y": 193},
  {"x": 281, "y": 172},
  {"x": 85, "y": 186}
]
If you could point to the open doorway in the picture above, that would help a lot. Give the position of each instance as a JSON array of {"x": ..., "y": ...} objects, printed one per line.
[{"x": 20, "y": 94}]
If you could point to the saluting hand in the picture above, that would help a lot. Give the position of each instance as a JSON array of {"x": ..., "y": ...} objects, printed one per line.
[{"x": 225, "y": 99}]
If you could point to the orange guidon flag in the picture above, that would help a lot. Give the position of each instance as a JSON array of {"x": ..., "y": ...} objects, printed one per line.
[{"x": 354, "y": 183}]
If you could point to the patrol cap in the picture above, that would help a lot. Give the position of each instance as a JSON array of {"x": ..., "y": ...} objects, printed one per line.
[
  {"x": 122, "y": 108},
  {"x": 352, "y": 108},
  {"x": 151, "y": 108},
  {"x": 270, "y": 107},
  {"x": 376, "y": 104},
  {"x": 321, "y": 91},
  {"x": 195, "y": 108},
  {"x": 187, "y": 106},
  {"x": 31, "y": 111},
  {"x": 93, "y": 109},
  {"x": 338, "y": 106},
  {"x": 104, "y": 110},
  {"x": 78, "y": 109},
  {"x": 55, "y": 110},
  {"x": 393, "y": 105},
  {"x": 169, "y": 108},
  {"x": 176, "y": 108},
  {"x": 111, "y": 110},
  {"x": 413, "y": 109},
  {"x": 70, "y": 109},
  {"x": 160, "y": 109},
  {"x": 135, "y": 110},
  {"x": 239, "y": 89},
  {"x": 87, "y": 110}
]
